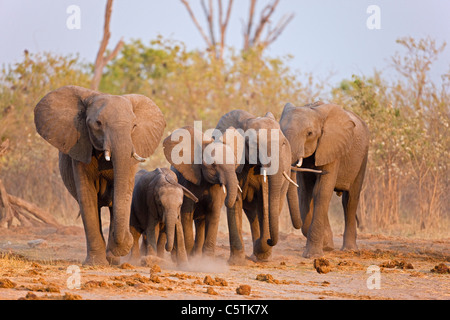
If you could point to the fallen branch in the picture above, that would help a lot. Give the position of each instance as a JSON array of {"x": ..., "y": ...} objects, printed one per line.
[{"x": 26, "y": 213}]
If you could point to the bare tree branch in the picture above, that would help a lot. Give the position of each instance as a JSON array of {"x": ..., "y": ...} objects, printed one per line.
[
  {"x": 270, "y": 9},
  {"x": 253, "y": 31},
  {"x": 222, "y": 20},
  {"x": 273, "y": 35},
  {"x": 194, "y": 19},
  {"x": 248, "y": 32},
  {"x": 101, "y": 61},
  {"x": 209, "y": 14}
]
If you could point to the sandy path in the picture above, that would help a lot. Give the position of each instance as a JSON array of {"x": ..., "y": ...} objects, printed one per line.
[{"x": 42, "y": 271}]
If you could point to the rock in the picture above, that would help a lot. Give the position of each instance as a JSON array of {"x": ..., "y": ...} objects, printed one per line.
[
  {"x": 440, "y": 268},
  {"x": 216, "y": 282},
  {"x": 211, "y": 291},
  {"x": 7, "y": 284},
  {"x": 397, "y": 264},
  {"x": 322, "y": 265},
  {"x": 244, "y": 290},
  {"x": 126, "y": 266},
  {"x": 155, "y": 269}
]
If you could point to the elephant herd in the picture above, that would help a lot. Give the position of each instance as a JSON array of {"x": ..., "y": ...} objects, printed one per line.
[{"x": 249, "y": 164}]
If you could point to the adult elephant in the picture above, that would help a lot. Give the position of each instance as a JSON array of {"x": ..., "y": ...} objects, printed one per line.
[
  {"x": 101, "y": 139},
  {"x": 208, "y": 171},
  {"x": 328, "y": 138},
  {"x": 263, "y": 192}
]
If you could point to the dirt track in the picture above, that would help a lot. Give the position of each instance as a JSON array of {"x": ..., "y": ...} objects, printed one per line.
[{"x": 41, "y": 272}]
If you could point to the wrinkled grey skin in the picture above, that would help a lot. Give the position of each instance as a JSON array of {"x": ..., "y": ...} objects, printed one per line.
[
  {"x": 328, "y": 138},
  {"x": 207, "y": 183},
  {"x": 155, "y": 214},
  {"x": 86, "y": 126},
  {"x": 261, "y": 201}
]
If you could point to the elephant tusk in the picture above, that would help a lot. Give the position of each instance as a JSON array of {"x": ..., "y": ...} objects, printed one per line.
[
  {"x": 300, "y": 162},
  {"x": 224, "y": 189},
  {"x": 239, "y": 188},
  {"x": 289, "y": 179},
  {"x": 307, "y": 170},
  {"x": 107, "y": 155},
  {"x": 265, "y": 174},
  {"x": 138, "y": 158}
]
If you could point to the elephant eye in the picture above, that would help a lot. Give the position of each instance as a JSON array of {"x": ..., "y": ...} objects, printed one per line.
[
  {"x": 310, "y": 133},
  {"x": 134, "y": 127},
  {"x": 98, "y": 123}
]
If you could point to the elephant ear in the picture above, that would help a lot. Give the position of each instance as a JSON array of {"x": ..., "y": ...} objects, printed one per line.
[
  {"x": 270, "y": 115},
  {"x": 60, "y": 118},
  {"x": 150, "y": 125},
  {"x": 179, "y": 150},
  {"x": 337, "y": 134}
]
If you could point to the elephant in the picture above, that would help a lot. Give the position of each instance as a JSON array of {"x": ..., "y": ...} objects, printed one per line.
[
  {"x": 155, "y": 212},
  {"x": 327, "y": 138},
  {"x": 101, "y": 139},
  {"x": 263, "y": 194},
  {"x": 211, "y": 178}
]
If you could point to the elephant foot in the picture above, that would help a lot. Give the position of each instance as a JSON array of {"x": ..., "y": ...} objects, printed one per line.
[
  {"x": 123, "y": 248},
  {"x": 237, "y": 259},
  {"x": 328, "y": 245},
  {"x": 313, "y": 252},
  {"x": 114, "y": 261},
  {"x": 349, "y": 247},
  {"x": 96, "y": 260},
  {"x": 261, "y": 257},
  {"x": 262, "y": 251}
]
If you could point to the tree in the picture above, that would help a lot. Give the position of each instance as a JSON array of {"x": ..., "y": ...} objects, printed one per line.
[
  {"x": 102, "y": 60},
  {"x": 254, "y": 38},
  {"x": 253, "y": 30}
]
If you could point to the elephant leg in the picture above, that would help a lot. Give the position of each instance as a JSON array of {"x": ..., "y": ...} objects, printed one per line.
[
  {"x": 180, "y": 248},
  {"x": 328, "y": 243},
  {"x": 212, "y": 227},
  {"x": 187, "y": 221},
  {"x": 112, "y": 259},
  {"x": 251, "y": 212},
  {"x": 162, "y": 238},
  {"x": 349, "y": 206},
  {"x": 151, "y": 232},
  {"x": 323, "y": 190},
  {"x": 306, "y": 182},
  {"x": 87, "y": 199},
  {"x": 350, "y": 200},
  {"x": 135, "y": 253},
  {"x": 234, "y": 220},
  {"x": 199, "y": 236}
]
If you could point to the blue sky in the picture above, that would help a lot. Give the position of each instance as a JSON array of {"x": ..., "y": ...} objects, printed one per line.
[{"x": 325, "y": 35}]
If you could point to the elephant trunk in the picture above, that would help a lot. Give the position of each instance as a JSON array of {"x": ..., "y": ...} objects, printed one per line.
[
  {"x": 170, "y": 223},
  {"x": 123, "y": 190},
  {"x": 293, "y": 203},
  {"x": 231, "y": 184},
  {"x": 275, "y": 183}
]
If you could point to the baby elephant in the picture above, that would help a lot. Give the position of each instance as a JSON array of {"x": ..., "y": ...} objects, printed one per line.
[{"x": 155, "y": 213}]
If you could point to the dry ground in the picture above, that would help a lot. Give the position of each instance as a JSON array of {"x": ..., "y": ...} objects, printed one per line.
[{"x": 42, "y": 271}]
